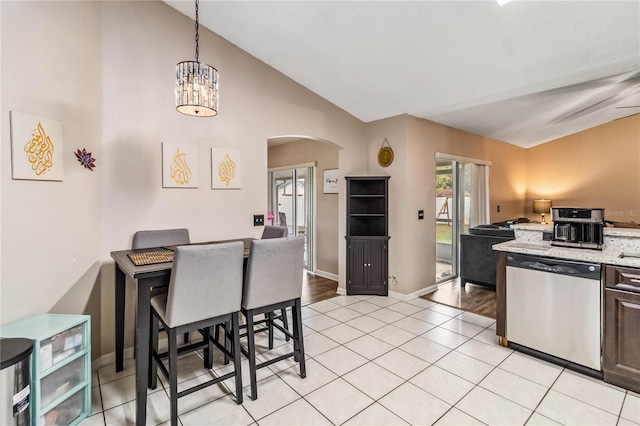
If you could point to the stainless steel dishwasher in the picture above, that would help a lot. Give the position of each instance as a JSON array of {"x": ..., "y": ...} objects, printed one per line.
[{"x": 554, "y": 306}]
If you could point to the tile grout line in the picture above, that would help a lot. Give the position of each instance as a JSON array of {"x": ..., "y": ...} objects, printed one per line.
[{"x": 404, "y": 381}]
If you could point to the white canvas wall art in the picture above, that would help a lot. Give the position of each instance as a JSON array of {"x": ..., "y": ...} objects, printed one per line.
[
  {"x": 179, "y": 165},
  {"x": 36, "y": 148},
  {"x": 226, "y": 168}
]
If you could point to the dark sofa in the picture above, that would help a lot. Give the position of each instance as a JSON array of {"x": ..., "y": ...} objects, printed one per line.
[{"x": 477, "y": 258}]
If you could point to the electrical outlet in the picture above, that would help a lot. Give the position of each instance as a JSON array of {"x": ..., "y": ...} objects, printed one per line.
[
  {"x": 258, "y": 220},
  {"x": 498, "y": 209},
  {"x": 420, "y": 214}
]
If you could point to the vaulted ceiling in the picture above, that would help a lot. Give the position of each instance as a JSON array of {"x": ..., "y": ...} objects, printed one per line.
[{"x": 525, "y": 73}]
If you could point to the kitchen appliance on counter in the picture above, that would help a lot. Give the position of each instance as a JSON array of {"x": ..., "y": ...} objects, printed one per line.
[
  {"x": 554, "y": 308},
  {"x": 577, "y": 227}
]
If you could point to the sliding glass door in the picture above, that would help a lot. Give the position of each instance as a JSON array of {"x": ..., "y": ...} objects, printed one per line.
[
  {"x": 453, "y": 209},
  {"x": 291, "y": 203}
]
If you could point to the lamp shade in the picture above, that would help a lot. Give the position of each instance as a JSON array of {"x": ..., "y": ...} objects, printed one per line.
[
  {"x": 196, "y": 85},
  {"x": 196, "y": 89},
  {"x": 541, "y": 206}
]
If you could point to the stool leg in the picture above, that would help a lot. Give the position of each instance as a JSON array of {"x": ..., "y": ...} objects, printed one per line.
[
  {"x": 173, "y": 375},
  {"x": 208, "y": 350},
  {"x": 252, "y": 355},
  {"x": 237, "y": 361},
  {"x": 227, "y": 342},
  {"x": 270, "y": 317},
  {"x": 285, "y": 321},
  {"x": 153, "y": 349},
  {"x": 298, "y": 336}
]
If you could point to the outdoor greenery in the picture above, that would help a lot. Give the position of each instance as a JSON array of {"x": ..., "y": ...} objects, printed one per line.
[
  {"x": 443, "y": 185},
  {"x": 443, "y": 233}
]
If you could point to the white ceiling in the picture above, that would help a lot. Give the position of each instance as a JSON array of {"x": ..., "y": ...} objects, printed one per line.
[{"x": 525, "y": 73}]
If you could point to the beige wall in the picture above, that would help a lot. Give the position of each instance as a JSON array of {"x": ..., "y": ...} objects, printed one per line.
[
  {"x": 257, "y": 103},
  {"x": 394, "y": 129},
  {"x": 326, "y": 157},
  {"x": 106, "y": 70},
  {"x": 52, "y": 68},
  {"x": 599, "y": 167},
  {"x": 412, "y": 188}
]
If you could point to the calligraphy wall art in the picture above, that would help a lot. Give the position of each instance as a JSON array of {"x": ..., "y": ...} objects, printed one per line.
[
  {"x": 330, "y": 182},
  {"x": 179, "y": 165},
  {"x": 226, "y": 168},
  {"x": 36, "y": 148}
]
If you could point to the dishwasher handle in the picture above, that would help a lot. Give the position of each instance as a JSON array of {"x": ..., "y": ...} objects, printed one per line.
[{"x": 555, "y": 266}]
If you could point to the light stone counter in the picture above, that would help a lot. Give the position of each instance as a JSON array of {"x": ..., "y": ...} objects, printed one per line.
[{"x": 616, "y": 242}]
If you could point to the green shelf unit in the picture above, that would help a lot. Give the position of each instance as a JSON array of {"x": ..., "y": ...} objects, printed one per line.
[{"x": 60, "y": 366}]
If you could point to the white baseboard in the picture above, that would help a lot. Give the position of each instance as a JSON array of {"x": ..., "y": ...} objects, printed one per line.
[
  {"x": 400, "y": 296},
  {"x": 415, "y": 294},
  {"x": 327, "y": 275},
  {"x": 110, "y": 358}
]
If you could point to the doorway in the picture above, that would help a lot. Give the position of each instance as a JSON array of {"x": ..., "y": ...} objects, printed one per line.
[
  {"x": 291, "y": 204},
  {"x": 453, "y": 210}
]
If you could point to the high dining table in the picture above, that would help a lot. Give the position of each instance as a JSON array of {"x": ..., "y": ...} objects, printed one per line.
[{"x": 148, "y": 277}]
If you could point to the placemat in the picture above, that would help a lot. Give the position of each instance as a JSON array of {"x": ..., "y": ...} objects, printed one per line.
[{"x": 151, "y": 257}]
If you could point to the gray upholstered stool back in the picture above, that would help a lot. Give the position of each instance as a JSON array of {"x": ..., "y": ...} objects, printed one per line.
[
  {"x": 274, "y": 272},
  {"x": 206, "y": 282},
  {"x": 160, "y": 238},
  {"x": 271, "y": 231}
]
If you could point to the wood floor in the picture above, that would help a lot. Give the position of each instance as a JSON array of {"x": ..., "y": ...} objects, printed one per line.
[
  {"x": 473, "y": 298},
  {"x": 316, "y": 288}
]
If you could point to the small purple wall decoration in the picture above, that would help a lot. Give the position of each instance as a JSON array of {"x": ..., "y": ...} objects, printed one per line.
[{"x": 85, "y": 159}]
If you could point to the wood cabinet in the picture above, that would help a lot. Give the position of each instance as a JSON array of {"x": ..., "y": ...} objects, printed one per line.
[
  {"x": 367, "y": 235},
  {"x": 60, "y": 366},
  {"x": 367, "y": 266},
  {"x": 621, "y": 351}
]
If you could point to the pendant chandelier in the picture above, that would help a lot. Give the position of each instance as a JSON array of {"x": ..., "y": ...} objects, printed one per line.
[{"x": 196, "y": 86}]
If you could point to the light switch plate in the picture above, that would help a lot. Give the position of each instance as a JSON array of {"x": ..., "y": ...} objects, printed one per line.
[{"x": 258, "y": 220}]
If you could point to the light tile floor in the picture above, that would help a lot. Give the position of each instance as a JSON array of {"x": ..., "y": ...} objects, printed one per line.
[{"x": 378, "y": 361}]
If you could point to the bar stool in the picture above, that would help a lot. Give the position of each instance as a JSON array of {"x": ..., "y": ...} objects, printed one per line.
[
  {"x": 154, "y": 239},
  {"x": 273, "y": 281},
  {"x": 205, "y": 290},
  {"x": 160, "y": 238},
  {"x": 272, "y": 231}
]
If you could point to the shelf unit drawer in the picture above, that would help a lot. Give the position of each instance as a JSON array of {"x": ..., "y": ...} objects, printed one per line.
[
  {"x": 60, "y": 381},
  {"x": 61, "y": 347},
  {"x": 68, "y": 412}
]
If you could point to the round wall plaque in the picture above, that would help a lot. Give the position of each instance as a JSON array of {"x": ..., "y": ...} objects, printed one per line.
[{"x": 385, "y": 156}]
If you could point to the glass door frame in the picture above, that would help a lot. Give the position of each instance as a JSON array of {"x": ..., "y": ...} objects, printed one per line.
[
  {"x": 460, "y": 166},
  {"x": 457, "y": 210},
  {"x": 309, "y": 198}
]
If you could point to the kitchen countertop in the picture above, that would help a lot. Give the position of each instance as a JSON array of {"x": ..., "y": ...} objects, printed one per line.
[{"x": 630, "y": 239}]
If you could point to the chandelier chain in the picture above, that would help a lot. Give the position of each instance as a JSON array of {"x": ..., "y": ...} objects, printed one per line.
[{"x": 197, "y": 36}]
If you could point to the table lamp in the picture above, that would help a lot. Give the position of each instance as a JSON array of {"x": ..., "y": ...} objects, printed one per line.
[{"x": 542, "y": 207}]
